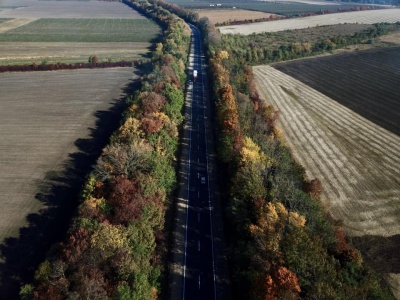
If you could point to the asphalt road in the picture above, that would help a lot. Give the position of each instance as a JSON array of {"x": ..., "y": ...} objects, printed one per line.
[{"x": 199, "y": 259}]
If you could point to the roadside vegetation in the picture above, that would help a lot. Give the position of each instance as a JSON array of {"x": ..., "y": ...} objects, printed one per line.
[
  {"x": 271, "y": 47},
  {"x": 44, "y": 66},
  {"x": 114, "y": 245},
  {"x": 283, "y": 245}
]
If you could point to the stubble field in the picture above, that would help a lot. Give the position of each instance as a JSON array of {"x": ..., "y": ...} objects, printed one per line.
[
  {"x": 52, "y": 126},
  {"x": 360, "y": 17},
  {"x": 42, "y": 114},
  {"x": 357, "y": 161}
]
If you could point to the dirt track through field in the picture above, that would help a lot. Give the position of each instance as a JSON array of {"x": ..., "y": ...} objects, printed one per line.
[{"x": 357, "y": 161}]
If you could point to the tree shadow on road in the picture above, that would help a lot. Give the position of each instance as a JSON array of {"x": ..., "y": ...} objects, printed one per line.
[{"x": 59, "y": 194}]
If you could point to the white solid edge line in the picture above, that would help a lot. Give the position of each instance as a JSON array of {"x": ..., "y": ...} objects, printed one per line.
[{"x": 187, "y": 201}]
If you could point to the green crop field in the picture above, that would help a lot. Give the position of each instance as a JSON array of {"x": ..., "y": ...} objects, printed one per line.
[
  {"x": 285, "y": 9},
  {"x": 84, "y": 30},
  {"x": 4, "y": 20}
]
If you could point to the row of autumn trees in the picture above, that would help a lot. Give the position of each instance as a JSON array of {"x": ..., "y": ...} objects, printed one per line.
[
  {"x": 254, "y": 49},
  {"x": 282, "y": 244},
  {"x": 65, "y": 66},
  {"x": 112, "y": 249}
]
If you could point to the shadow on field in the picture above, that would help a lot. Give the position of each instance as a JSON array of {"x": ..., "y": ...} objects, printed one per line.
[
  {"x": 59, "y": 192},
  {"x": 380, "y": 253}
]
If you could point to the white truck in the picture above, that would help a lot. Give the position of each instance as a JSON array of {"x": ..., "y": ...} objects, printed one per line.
[{"x": 194, "y": 75}]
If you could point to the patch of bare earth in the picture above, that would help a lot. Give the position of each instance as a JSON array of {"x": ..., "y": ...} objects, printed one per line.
[
  {"x": 29, "y": 52},
  {"x": 223, "y": 15},
  {"x": 391, "y": 38},
  {"x": 357, "y": 161},
  {"x": 14, "y": 23}
]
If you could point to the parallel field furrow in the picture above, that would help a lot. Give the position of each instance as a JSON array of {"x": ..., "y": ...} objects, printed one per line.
[
  {"x": 366, "y": 82},
  {"x": 361, "y": 98},
  {"x": 357, "y": 161},
  {"x": 299, "y": 129},
  {"x": 382, "y": 79},
  {"x": 352, "y": 124},
  {"x": 363, "y": 132},
  {"x": 354, "y": 130},
  {"x": 369, "y": 126},
  {"x": 330, "y": 150}
]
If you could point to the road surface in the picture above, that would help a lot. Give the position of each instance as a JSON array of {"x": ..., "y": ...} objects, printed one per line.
[{"x": 199, "y": 270}]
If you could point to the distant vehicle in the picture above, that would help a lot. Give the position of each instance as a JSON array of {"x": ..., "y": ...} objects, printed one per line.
[
  {"x": 203, "y": 180},
  {"x": 194, "y": 75}
]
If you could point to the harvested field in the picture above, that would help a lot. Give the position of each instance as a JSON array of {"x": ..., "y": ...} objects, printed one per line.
[
  {"x": 13, "y": 53},
  {"x": 52, "y": 126},
  {"x": 42, "y": 115},
  {"x": 357, "y": 161},
  {"x": 367, "y": 82},
  {"x": 363, "y": 17},
  {"x": 84, "y": 30},
  {"x": 67, "y": 9},
  {"x": 223, "y": 15}
]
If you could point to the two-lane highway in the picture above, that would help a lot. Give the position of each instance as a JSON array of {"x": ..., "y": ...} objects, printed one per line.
[
  {"x": 199, "y": 278},
  {"x": 198, "y": 268}
]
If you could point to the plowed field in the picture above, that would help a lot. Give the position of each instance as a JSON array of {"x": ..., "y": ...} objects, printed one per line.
[
  {"x": 357, "y": 161},
  {"x": 366, "y": 82}
]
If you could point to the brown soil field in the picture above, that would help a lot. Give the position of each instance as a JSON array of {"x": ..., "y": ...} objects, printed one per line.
[
  {"x": 360, "y": 17},
  {"x": 53, "y": 125},
  {"x": 222, "y": 15},
  {"x": 67, "y": 9},
  {"x": 29, "y": 52},
  {"x": 357, "y": 161},
  {"x": 366, "y": 82}
]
